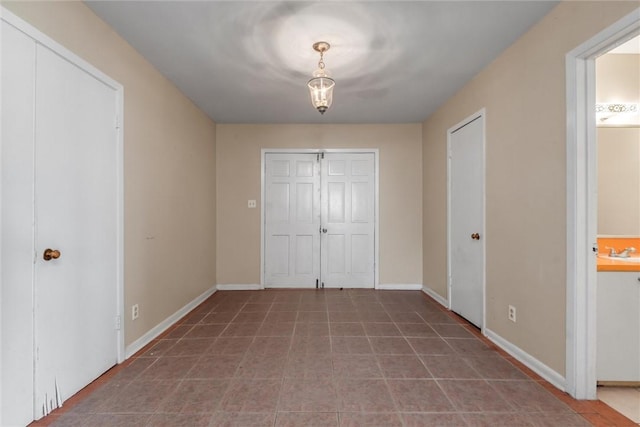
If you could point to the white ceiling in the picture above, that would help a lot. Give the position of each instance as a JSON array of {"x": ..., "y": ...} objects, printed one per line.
[{"x": 249, "y": 62}]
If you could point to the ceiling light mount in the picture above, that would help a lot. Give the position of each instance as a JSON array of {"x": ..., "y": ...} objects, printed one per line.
[{"x": 321, "y": 85}]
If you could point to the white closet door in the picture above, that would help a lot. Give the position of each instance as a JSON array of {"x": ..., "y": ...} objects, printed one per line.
[
  {"x": 292, "y": 220},
  {"x": 467, "y": 221},
  {"x": 348, "y": 216},
  {"x": 75, "y": 213},
  {"x": 18, "y": 60}
]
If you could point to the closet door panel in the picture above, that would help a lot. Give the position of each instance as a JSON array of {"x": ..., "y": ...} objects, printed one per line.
[{"x": 16, "y": 154}]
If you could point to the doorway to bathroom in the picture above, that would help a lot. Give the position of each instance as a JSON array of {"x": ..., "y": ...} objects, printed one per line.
[
  {"x": 582, "y": 205},
  {"x": 618, "y": 228}
]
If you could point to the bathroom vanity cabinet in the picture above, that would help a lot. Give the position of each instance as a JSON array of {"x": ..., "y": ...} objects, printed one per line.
[{"x": 618, "y": 326}]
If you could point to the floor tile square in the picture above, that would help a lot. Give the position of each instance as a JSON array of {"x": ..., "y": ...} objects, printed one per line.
[
  {"x": 243, "y": 419},
  {"x": 216, "y": 367},
  {"x": 355, "y": 366},
  {"x": 419, "y": 396},
  {"x": 312, "y": 316},
  {"x": 276, "y": 329},
  {"x": 451, "y": 331},
  {"x": 346, "y": 329},
  {"x": 308, "y": 366},
  {"x": 344, "y": 316},
  {"x": 390, "y": 345},
  {"x": 417, "y": 330},
  {"x": 252, "y": 396},
  {"x": 364, "y": 395},
  {"x": 169, "y": 368},
  {"x": 430, "y": 346},
  {"x": 449, "y": 367},
  {"x": 381, "y": 329},
  {"x": 310, "y": 345},
  {"x": 528, "y": 396},
  {"x": 402, "y": 367},
  {"x": 430, "y": 420},
  {"x": 190, "y": 347},
  {"x": 495, "y": 367},
  {"x": 241, "y": 330},
  {"x": 359, "y": 419},
  {"x": 351, "y": 345},
  {"x": 257, "y": 365},
  {"x": 219, "y": 317},
  {"x": 474, "y": 396},
  {"x": 230, "y": 345},
  {"x": 195, "y": 396},
  {"x": 307, "y": 419},
  {"x": 308, "y": 395},
  {"x": 311, "y": 329},
  {"x": 140, "y": 397}
]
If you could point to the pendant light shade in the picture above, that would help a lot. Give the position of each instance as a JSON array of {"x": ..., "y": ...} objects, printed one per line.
[{"x": 321, "y": 85}]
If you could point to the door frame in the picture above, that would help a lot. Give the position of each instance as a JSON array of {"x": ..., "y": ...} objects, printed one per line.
[
  {"x": 581, "y": 149},
  {"x": 478, "y": 114},
  {"x": 63, "y": 52},
  {"x": 376, "y": 239}
]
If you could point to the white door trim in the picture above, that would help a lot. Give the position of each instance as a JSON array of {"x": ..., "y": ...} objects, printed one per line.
[
  {"x": 479, "y": 114},
  {"x": 74, "y": 59},
  {"x": 376, "y": 156},
  {"x": 580, "y": 365}
]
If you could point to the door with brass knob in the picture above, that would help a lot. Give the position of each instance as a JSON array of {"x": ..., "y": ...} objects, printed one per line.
[
  {"x": 50, "y": 254},
  {"x": 466, "y": 216}
]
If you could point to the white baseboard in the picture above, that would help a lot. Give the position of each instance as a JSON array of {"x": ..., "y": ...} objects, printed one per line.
[
  {"x": 531, "y": 362},
  {"x": 138, "y": 344},
  {"x": 240, "y": 287},
  {"x": 436, "y": 296},
  {"x": 399, "y": 286}
]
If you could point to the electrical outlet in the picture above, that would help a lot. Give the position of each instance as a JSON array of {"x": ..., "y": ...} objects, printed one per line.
[
  {"x": 251, "y": 204},
  {"x": 135, "y": 311},
  {"x": 512, "y": 313}
]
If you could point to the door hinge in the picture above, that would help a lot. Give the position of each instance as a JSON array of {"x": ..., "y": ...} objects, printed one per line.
[
  {"x": 117, "y": 122},
  {"x": 322, "y": 156},
  {"x": 595, "y": 248},
  {"x": 118, "y": 323},
  {"x": 317, "y": 283},
  {"x": 322, "y": 285}
]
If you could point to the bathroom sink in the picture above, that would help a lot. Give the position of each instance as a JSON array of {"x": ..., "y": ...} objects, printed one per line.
[{"x": 629, "y": 259}]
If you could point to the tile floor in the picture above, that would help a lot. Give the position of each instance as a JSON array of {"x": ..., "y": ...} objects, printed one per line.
[
  {"x": 625, "y": 400},
  {"x": 324, "y": 358}
]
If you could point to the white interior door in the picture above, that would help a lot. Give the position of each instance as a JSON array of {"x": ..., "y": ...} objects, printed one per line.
[
  {"x": 319, "y": 213},
  {"x": 17, "y": 153},
  {"x": 348, "y": 220},
  {"x": 59, "y": 190},
  {"x": 75, "y": 213},
  {"x": 292, "y": 220},
  {"x": 466, "y": 220}
]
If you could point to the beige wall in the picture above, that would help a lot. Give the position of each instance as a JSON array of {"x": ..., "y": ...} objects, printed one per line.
[
  {"x": 238, "y": 177},
  {"x": 619, "y": 181},
  {"x": 169, "y": 168},
  {"x": 523, "y": 91}
]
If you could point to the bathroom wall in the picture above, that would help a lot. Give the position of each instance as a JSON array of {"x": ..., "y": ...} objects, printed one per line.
[
  {"x": 618, "y": 80},
  {"x": 169, "y": 168},
  {"x": 400, "y": 175},
  {"x": 523, "y": 91}
]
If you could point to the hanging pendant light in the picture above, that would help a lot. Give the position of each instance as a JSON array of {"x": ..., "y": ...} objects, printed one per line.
[{"x": 321, "y": 85}]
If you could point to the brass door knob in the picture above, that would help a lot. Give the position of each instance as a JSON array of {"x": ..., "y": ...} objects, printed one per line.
[
  {"x": 475, "y": 236},
  {"x": 50, "y": 254}
]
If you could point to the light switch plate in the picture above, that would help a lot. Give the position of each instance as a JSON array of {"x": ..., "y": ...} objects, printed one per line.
[{"x": 251, "y": 204}]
